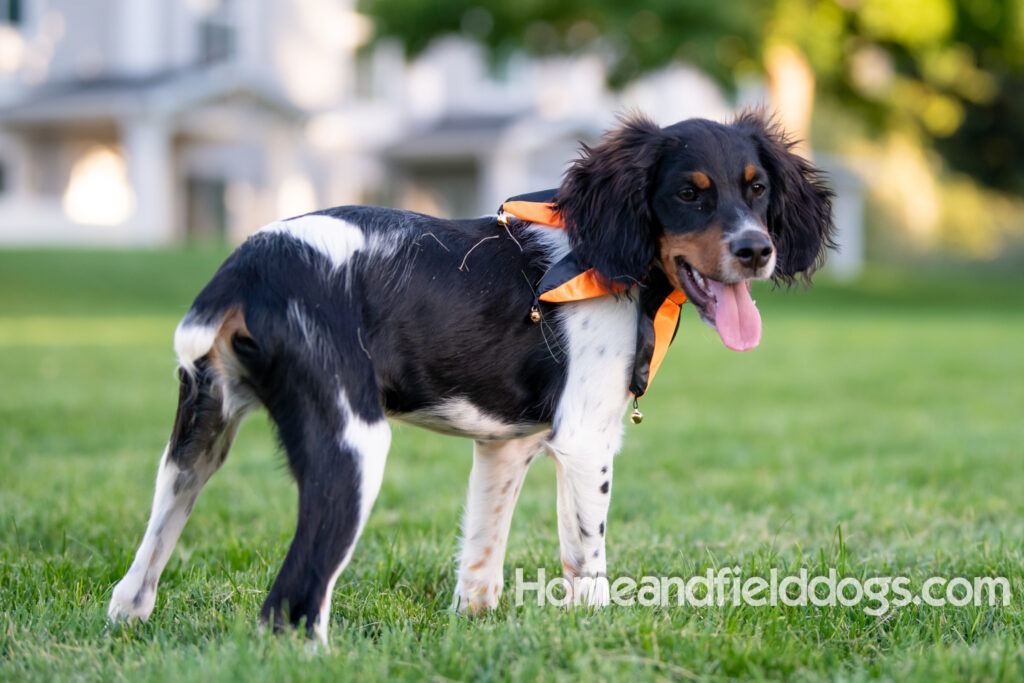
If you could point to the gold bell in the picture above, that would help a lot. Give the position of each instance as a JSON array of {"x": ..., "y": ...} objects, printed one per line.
[
  {"x": 636, "y": 417},
  {"x": 502, "y": 219},
  {"x": 534, "y": 314}
]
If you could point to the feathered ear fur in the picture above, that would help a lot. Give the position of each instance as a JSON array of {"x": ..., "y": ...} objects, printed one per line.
[
  {"x": 604, "y": 201},
  {"x": 800, "y": 209}
]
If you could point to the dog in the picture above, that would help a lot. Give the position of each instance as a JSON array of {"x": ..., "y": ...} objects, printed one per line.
[{"x": 338, "y": 320}]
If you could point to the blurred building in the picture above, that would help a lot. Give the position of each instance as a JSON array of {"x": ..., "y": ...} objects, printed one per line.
[{"x": 142, "y": 122}]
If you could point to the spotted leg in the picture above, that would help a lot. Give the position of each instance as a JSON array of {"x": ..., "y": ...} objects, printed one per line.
[
  {"x": 584, "y": 494},
  {"x": 499, "y": 468}
]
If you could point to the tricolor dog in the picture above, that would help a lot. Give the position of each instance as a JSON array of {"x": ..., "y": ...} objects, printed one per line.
[{"x": 529, "y": 332}]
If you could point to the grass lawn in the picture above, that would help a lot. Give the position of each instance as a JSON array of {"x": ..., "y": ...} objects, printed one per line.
[{"x": 878, "y": 430}]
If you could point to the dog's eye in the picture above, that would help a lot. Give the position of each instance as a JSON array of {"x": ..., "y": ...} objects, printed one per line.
[
  {"x": 688, "y": 195},
  {"x": 757, "y": 189}
]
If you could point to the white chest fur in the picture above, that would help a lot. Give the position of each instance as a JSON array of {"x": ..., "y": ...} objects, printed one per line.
[{"x": 600, "y": 334}]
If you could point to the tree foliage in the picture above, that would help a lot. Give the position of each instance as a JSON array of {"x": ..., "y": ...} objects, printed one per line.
[
  {"x": 719, "y": 37},
  {"x": 950, "y": 71}
]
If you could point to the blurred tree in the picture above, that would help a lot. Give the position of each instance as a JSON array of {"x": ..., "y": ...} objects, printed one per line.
[
  {"x": 946, "y": 71},
  {"x": 949, "y": 72},
  {"x": 721, "y": 38}
]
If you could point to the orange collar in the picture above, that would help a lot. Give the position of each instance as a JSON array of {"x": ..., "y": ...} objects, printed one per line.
[{"x": 565, "y": 281}]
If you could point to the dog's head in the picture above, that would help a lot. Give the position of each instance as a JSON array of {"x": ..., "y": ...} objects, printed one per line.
[{"x": 713, "y": 205}]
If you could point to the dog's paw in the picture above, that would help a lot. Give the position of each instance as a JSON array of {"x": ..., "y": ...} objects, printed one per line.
[
  {"x": 132, "y": 599},
  {"x": 475, "y": 597},
  {"x": 590, "y": 591}
]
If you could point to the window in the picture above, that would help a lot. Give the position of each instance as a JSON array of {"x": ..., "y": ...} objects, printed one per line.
[
  {"x": 11, "y": 12},
  {"x": 217, "y": 34},
  {"x": 206, "y": 209},
  {"x": 216, "y": 42}
]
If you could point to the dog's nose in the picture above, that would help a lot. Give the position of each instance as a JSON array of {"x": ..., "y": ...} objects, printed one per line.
[{"x": 752, "y": 249}]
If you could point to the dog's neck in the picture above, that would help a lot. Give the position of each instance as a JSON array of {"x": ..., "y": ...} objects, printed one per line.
[{"x": 566, "y": 280}]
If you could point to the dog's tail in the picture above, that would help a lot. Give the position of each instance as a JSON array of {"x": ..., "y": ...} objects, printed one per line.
[
  {"x": 232, "y": 331},
  {"x": 221, "y": 315},
  {"x": 193, "y": 339},
  {"x": 211, "y": 323},
  {"x": 254, "y": 309}
]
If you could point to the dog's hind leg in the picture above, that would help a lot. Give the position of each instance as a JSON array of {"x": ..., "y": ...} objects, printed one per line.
[
  {"x": 337, "y": 456},
  {"x": 199, "y": 443},
  {"x": 321, "y": 392}
]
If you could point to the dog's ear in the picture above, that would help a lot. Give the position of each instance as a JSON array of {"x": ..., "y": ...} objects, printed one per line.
[
  {"x": 800, "y": 205},
  {"x": 605, "y": 201}
]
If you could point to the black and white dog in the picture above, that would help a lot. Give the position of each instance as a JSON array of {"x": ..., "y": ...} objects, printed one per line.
[{"x": 340, "y": 319}]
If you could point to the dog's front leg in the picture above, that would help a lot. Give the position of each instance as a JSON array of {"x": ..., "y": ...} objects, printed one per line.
[
  {"x": 499, "y": 468},
  {"x": 584, "y": 494}
]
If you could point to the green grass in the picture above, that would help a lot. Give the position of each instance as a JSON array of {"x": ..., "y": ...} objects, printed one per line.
[{"x": 878, "y": 430}]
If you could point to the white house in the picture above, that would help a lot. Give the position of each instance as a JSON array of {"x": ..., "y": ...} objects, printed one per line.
[{"x": 141, "y": 122}]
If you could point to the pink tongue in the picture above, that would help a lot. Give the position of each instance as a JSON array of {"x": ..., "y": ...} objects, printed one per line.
[{"x": 736, "y": 317}]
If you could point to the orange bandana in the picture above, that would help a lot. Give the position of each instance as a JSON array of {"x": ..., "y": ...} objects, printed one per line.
[{"x": 567, "y": 280}]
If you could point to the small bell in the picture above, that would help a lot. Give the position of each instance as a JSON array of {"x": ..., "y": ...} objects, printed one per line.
[
  {"x": 502, "y": 219},
  {"x": 636, "y": 417},
  {"x": 534, "y": 314}
]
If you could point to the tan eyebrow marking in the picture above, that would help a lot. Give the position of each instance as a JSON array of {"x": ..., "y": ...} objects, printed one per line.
[
  {"x": 749, "y": 172},
  {"x": 701, "y": 180}
]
